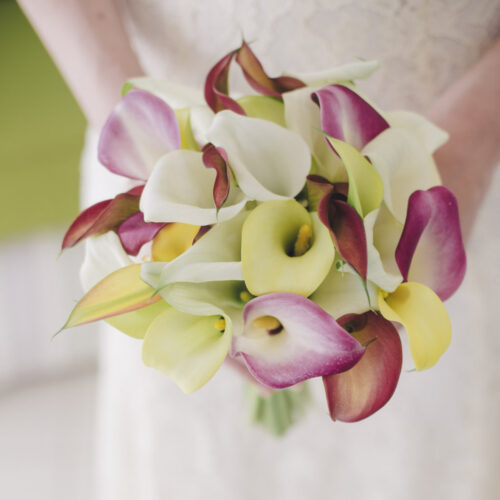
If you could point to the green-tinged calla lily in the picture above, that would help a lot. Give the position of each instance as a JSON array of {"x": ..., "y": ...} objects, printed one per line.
[
  {"x": 343, "y": 293},
  {"x": 285, "y": 248},
  {"x": 266, "y": 108},
  {"x": 366, "y": 190},
  {"x": 188, "y": 349},
  {"x": 424, "y": 317},
  {"x": 188, "y": 140}
]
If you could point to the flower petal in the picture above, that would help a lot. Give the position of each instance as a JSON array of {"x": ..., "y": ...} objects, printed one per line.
[
  {"x": 120, "y": 292},
  {"x": 257, "y": 77},
  {"x": 347, "y": 230},
  {"x": 431, "y": 136},
  {"x": 309, "y": 343},
  {"x": 302, "y": 116},
  {"x": 343, "y": 293},
  {"x": 267, "y": 249},
  {"x": 216, "y": 87},
  {"x": 365, "y": 388},
  {"x": 366, "y": 190},
  {"x": 175, "y": 95},
  {"x": 188, "y": 349},
  {"x": 206, "y": 260},
  {"x": 431, "y": 249},
  {"x": 404, "y": 166},
  {"x": 134, "y": 232},
  {"x": 382, "y": 233},
  {"x": 425, "y": 319},
  {"x": 347, "y": 116},
  {"x": 180, "y": 190},
  {"x": 173, "y": 240},
  {"x": 102, "y": 217},
  {"x": 140, "y": 130},
  {"x": 266, "y": 108},
  {"x": 216, "y": 158},
  {"x": 268, "y": 161},
  {"x": 345, "y": 73}
]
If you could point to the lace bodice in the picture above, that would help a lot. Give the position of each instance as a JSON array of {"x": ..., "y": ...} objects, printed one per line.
[{"x": 422, "y": 45}]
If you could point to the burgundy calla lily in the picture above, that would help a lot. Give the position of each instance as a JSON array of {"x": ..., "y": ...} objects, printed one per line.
[{"x": 361, "y": 391}]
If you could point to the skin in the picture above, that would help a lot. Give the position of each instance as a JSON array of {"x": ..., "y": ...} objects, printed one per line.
[{"x": 95, "y": 71}]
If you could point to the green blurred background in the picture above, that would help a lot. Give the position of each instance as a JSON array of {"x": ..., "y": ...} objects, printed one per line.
[{"x": 41, "y": 132}]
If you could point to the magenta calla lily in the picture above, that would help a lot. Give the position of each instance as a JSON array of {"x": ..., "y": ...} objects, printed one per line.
[
  {"x": 140, "y": 130},
  {"x": 431, "y": 249},
  {"x": 135, "y": 232},
  {"x": 347, "y": 116},
  {"x": 287, "y": 338},
  {"x": 361, "y": 391}
]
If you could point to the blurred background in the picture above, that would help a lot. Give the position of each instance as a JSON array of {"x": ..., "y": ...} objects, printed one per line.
[{"x": 47, "y": 388}]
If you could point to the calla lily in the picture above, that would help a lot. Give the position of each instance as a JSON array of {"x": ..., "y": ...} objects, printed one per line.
[
  {"x": 342, "y": 293},
  {"x": 404, "y": 166},
  {"x": 180, "y": 189},
  {"x": 262, "y": 170},
  {"x": 257, "y": 77},
  {"x": 425, "y": 319},
  {"x": 347, "y": 116},
  {"x": 135, "y": 232},
  {"x": 140, "y": 130},
  {"x": 429, "y": 135},
  {"x": 347, "y": 230},
  {"x": 102, "y": 217},
  {"x": 284, "y": 248},
  {"x": 206, "y": 261},
  {"x": 340, "y": 74},
  {"x": 173, "y": 240},
  {"x": 365, "y": 388},
  {"x": 431, "y": 249},
  {"x": 266, "y": 108},
  {"x": 288, "y": 338},
  {"x": 188, "y": 349},
  {"x": 366, "y": 190},
  {"x": 216, "y": 158}
]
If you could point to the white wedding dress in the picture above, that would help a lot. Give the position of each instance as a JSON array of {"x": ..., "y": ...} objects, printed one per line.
[{"x": 438, "y": 438}]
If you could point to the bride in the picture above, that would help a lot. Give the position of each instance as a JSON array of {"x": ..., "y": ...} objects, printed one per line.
[{"x": 437, "y": 438}]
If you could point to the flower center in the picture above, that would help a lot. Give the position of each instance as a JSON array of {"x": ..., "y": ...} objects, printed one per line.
[
  {"x": 220, "y": 324},
  {"x": 303, "y": 241},
  {"x": 269, "y": 323}
]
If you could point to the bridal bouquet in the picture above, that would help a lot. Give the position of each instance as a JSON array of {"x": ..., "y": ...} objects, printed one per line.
[{"x": 290, "y": 229}]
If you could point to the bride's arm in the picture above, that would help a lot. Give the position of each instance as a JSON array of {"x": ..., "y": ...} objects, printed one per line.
[
  {"x": 470, "y": 111},
  {"x": 90, "y": 46}
]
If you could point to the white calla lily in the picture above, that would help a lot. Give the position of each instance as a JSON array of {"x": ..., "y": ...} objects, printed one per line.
[
  {"x": 345, "y": 73},
  {"x": 180, "y": 189},
  {"x": 175, "y": 95},
  {"x": 268, "y": 161},
  {"x": 404, "y": 165},
  {"x": 302, "y": 116},
  {"x": 431, "y": 136}
]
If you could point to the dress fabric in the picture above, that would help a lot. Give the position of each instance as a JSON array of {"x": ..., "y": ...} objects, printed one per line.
[{"x": 437, "y": 438}]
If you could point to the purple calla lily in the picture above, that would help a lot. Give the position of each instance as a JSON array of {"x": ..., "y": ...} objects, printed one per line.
[
  {"x": 347, "y": 116},
  {"x": 140, "y": 130},
  {"x": 288, "y": 338},
  {"x": 431, "y": 250}
]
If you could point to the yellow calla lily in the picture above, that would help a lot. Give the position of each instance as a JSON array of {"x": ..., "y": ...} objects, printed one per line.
[{"x": 424, "y": 317}]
